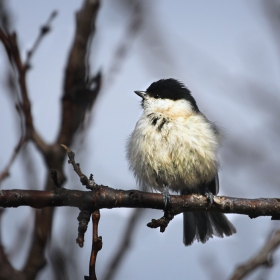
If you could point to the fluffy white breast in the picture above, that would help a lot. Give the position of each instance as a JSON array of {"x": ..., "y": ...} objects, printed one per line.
[{"x": 172, "y": 145}]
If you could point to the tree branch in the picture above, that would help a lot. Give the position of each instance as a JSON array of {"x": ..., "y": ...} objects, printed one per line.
[
  {"x": 11, "y": 45},
  {"x": 80, "y": 90},
  {"x": 263, "y": 258},
  {"x": 106, "y": 197},
  {"x": 7, "y": 272},
  {"x": 88, "y": 182},
  {"x": 43, "y": 31},
  {"x": 6, "y": 172},
  {"x": 96, "y": 245},
  {"x": 78, "y": 96}
]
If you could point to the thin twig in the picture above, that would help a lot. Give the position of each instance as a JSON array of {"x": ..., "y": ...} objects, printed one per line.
[
  {"x": 162, "y": 223},
  {"x": 43, "y": 31},
  {"x": 12, "y": 49},
  {"x": 84, "y": 215},
  {"x": 96, "y": 245},
  {"x": 262, "y": 259},
  {"x": 6, "y": 172},
  {"x": 89, "y": 183}
]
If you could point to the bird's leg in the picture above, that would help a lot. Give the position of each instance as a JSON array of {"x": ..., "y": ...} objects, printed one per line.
[
  {"x": 166, "y": 196},
  {"x": 209, "y": 195}
]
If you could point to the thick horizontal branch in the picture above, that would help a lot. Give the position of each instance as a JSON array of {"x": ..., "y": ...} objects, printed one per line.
[{"x": 105, "y": 197}]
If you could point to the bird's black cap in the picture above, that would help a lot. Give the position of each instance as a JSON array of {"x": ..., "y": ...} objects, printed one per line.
[{"x": 171, "y": 89}]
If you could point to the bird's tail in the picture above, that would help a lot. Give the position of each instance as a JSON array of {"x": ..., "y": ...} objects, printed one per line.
[{"x": 203, "y": 225}]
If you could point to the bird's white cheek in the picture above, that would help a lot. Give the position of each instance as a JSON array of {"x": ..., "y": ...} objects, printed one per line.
[
  {"x": 156, "y": 104},
  {"x": 169, "y": 108}
]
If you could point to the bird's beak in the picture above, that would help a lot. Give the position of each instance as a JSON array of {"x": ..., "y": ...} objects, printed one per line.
[{"x": 140, "y": 93}]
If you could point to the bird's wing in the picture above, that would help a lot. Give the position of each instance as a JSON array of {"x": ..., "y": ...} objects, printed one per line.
[{"x": 213, "y": 186}]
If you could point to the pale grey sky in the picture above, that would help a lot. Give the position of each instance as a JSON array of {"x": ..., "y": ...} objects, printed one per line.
[{"x": 226, "y": 53}]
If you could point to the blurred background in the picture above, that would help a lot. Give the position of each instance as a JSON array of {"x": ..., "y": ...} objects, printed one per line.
[{"x": 226, "y": 52}]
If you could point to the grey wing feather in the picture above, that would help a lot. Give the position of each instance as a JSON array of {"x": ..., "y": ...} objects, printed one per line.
[{"x": 213, "y": 186}]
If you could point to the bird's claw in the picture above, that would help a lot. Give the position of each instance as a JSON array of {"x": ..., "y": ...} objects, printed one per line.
[
  {"x": 209, "y": 196},
  {"x": 166, "y": 196}
]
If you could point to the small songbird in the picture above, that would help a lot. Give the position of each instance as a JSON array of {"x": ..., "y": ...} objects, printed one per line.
[{"x": 174, "y": 147}]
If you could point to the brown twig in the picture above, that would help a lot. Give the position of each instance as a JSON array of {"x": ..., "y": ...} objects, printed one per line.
[
  {"x": 11, "y": 46},
  {"x": 88, "y": 182},
  {"x": 83, "y": 218},
  {"x": 12, "y": 49},
  {"x": 84, "y": 215},
  {"x": 43, "y": 31},
  {"x": 162, "y": 223},
  {"x": 10, "y": 43},
  {"x": 263, "y": 258},
  {"x": 96, "y": 245},
  {"x": 79, "y": 96},
  {"x": 6, "y": 172},
  {"x": 23, "y": 107}
]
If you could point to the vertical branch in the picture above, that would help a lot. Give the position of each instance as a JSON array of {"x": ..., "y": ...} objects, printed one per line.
[
  {"x": 79, "y": 93},
  {"x": 6, "y": 172},
  {"x": 77, "y": 97},
  {"x": 96, "y": 246},
  {"x": 7, "y": 272},
  {"x": 43, "y": 31},
  {"x": 10, "y": 43}
]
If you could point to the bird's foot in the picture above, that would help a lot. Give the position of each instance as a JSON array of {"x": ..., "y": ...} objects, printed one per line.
[
  {"x": 209, "y": 196},
  {"x": 166, "y": 196}
]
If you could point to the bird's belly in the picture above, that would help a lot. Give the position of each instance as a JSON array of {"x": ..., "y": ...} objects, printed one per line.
[{"x": 176, "y": 155}]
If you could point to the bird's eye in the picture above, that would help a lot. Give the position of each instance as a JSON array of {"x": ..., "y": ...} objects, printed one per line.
[{"x": 156, "y": 96}]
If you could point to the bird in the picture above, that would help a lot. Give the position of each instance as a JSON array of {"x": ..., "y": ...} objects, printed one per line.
[{"x": 174, "y": 147}]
